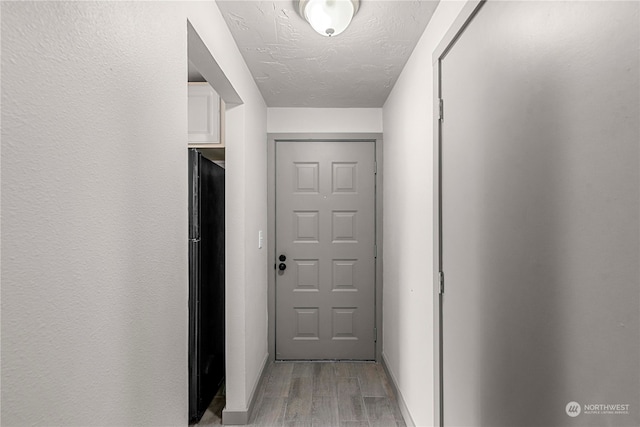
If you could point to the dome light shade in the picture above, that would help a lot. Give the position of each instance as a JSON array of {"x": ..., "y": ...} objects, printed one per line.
[{"x": 329, "y": 17}]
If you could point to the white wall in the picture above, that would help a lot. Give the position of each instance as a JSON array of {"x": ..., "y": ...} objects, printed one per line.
[
  {"x": 408, "y": 223},
  {"x": 94, "y": 213},
  {"x": 323, "y": 120}
]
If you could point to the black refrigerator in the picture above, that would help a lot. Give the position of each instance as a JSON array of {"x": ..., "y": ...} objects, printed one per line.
[{"x": 206, "y": 282}]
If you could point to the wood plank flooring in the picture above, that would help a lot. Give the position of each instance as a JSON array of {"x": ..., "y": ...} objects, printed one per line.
[{"x": 321, "y": 394}]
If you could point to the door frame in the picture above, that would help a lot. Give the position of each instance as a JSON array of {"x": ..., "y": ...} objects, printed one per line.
[
  {"x": 272, "y": 138},
  {"x": 464, "y": 18}
]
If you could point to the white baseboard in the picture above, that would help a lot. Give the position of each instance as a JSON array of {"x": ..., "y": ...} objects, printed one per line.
[
  {"x": 408, "y": 420},
  {"x": 240, "y": 418}
]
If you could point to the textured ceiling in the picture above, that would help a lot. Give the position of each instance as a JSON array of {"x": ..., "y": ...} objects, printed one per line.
[{"x": 296, "y": 67}]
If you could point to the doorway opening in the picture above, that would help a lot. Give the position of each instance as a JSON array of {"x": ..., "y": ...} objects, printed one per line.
[{"x": 210, "y": 95}]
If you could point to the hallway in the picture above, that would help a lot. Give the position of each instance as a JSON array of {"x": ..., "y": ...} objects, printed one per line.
[
  {"x": 508, "y": 162},
  {"x": 314, "y": 394}
]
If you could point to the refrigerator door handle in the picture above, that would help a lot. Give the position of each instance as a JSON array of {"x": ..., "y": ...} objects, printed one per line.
[{"x": 194, "y": 196}]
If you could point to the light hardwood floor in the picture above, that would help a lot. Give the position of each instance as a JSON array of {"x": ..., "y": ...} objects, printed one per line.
[{"x": 320, "y": 394}]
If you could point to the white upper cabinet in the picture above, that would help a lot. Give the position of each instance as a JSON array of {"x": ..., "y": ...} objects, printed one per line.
[{"x": 205, "y": 119}]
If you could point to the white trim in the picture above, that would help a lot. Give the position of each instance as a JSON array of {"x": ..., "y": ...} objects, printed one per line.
[
  {"x": 404, "y": 410},
  {"x": 243, "y": 417}
]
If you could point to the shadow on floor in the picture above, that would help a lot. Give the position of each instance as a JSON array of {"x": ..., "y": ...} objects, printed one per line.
[{"x": 213, "y": 414}]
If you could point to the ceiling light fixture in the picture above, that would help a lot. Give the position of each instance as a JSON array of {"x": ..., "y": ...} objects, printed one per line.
[{"x": 329, "y": 17}]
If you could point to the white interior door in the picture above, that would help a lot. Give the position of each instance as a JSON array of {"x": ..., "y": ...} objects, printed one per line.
[
  {"x": 540, "y": 216},
  {"x": 325, "y": 241}
]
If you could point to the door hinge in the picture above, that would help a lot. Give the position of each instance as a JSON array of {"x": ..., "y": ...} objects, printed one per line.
[
  {"x": 375, "y": 168},
  {"x": 441, "y": 112},
  {"x": 375, "y": 251},
  {"x": 375, "y": 334},
  {"x": 441, "y": 280}
]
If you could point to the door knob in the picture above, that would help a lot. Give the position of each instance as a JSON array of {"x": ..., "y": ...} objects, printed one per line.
[
  {"x": 282, "y": 258},
  {"x": 282, "y": 266}
]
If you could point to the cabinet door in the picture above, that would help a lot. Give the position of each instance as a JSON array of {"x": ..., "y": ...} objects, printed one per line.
[{"x": 204, "y": 113}]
